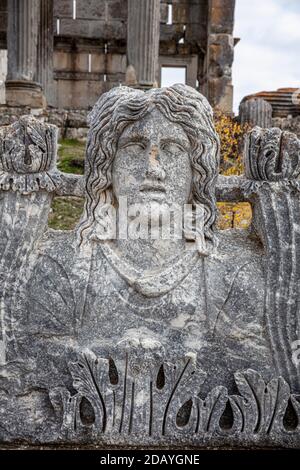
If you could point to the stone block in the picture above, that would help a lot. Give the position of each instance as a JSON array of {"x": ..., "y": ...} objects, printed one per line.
[
  {"x": 164, "y": 12},
  {"x": 181, "y": 13},
  {"x": 77, "y": 133},
  {"x": 62, "y": 61},
  {"x": 78, "y": 94},
  {"x": 81, "y": 62},
  {"x": 63, "y": 8},
  {"x": 220, "y": 93},
  {"x": 77, "y": 119},
  {"x": 117, "y": 10},
  {"x": 98, "y": 63},
  {"x": 221, "y": 16},
  {"x": 115, "y": 63},
  {"x": 91, "y": 9},
  {"x": 220, "y": 54}
]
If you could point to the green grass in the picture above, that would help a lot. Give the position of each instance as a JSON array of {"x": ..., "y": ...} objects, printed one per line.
[
  {"x": 71, "y": 156},
  {"x": 66, "y": 211}
]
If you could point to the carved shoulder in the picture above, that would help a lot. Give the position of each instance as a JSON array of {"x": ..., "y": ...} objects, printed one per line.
[
  {"x": 50, "y": 297},
  {"x": 242, "y": 255},
  {"x": 241, "y": 319}
]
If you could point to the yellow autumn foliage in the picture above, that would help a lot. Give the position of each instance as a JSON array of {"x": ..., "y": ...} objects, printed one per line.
[{"x": 231, "y": 133}]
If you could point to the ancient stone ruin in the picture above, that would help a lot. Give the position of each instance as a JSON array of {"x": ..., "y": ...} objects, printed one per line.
[
  {"x": 280, "y": 108},
  {"x": 110, "y": 337},
  {"x": 66, "y": 53}
]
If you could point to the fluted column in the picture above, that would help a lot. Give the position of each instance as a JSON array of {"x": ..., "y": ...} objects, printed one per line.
[
  {"x": 45, "y": 50},
  {"x": 22, "y": 39},
  {"x": 256, "y": 112},
  {"x": 143, "y": 42}
]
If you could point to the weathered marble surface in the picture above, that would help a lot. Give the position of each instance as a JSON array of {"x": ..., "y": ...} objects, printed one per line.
[{"x": 148, "y": 342}]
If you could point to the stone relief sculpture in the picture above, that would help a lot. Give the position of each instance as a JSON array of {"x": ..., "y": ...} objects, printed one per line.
[{"x": 112, "y": 335}]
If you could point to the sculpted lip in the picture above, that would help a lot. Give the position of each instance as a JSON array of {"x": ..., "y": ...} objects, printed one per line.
[{"x": 152, "y": 186}]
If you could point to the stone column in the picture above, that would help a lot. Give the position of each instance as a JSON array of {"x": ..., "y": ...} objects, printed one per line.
[
  {"x": 143, "y": 42},
  {"x": 256, "y": 112},
  {"x": 45, "y": 51},
  {"x": 217, "y": 80},
  {"x": 3, "y": 72},
  {"x": 22, "y": 38}
]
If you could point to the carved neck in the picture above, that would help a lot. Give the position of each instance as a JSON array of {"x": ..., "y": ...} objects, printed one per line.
[
  {"x": 150, "y": 254},
  {"x": 155, "y": 280}
]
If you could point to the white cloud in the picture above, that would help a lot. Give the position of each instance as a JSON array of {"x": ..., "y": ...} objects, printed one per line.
[{"x": 268, "y": 55}]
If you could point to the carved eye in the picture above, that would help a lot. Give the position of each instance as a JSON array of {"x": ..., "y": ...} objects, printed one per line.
[
  {"x": 172, "y": 147},
  {"x": 135, "y": 146}
]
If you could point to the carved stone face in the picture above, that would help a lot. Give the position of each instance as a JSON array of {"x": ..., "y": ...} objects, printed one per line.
[{"x": 152, "y": 162}]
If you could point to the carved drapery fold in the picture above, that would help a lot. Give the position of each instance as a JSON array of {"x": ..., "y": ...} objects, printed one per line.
[{"x": 272, "y": 163}]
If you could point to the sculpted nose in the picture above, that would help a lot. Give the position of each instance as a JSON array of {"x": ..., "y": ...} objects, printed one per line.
[{"x": 154, "y": 169}]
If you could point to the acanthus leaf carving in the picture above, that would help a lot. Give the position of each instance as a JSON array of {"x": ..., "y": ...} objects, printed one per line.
[{"x": 137, "y": 406}]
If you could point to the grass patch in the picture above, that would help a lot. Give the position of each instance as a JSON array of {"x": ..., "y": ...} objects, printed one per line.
[
  {"x": 65, "y": 212},
  {"x": 71, "y": 154}
]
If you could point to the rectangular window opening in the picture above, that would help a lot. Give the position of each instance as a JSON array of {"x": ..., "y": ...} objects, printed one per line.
[
  {"x": 171, "y": 75},
  {"x": 74, "y": 9},
  {"x": 57, "y": 26},
  {"x": 170, "y": 14},
  {"x": 104, "y": 77},
  {"x": 89, "y": 62}
]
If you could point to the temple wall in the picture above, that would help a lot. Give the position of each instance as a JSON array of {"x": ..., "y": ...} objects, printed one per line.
[
  {"x": 91, "y": 54},
  {"x": 90, "y": 51}
]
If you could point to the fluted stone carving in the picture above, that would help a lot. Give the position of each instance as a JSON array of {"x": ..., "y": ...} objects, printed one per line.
[
  {"x": 22, "y": 39},
  {"x": 143, "y": 40},
  {"x": 272, "y": 162},
  {"x": 256, "y": 112},
  {"x": 45, "y": 50}
]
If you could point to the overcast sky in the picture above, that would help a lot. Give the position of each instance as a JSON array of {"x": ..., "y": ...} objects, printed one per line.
[{"x": 268, "y": 55}]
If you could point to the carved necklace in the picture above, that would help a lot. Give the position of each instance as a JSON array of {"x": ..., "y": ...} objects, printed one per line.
[{"x": 152, "y": 283}]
